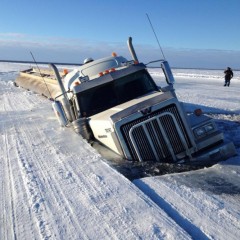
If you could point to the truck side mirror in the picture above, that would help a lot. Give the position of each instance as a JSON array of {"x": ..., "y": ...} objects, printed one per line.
[{"x": 168, "y": 73}]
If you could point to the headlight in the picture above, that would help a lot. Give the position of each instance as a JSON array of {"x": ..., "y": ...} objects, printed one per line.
[
  {"x": 203, "y": 130},
  {"x": 209, "y": 127},
  {"x": 199, "y": 131}
]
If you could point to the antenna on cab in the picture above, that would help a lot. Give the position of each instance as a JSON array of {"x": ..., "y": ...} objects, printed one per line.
[
  {"x": 41, "y": 75},
  {"x": 155, "y": 36}
]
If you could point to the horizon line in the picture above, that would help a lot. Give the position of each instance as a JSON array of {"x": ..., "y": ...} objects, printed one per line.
[{"x": 80, "y": 64}]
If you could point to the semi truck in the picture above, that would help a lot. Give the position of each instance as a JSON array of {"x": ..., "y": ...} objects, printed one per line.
[{"x": 117, "y": 103}]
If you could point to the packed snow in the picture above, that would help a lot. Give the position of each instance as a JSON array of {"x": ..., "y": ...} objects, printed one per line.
[{"x": 54, "y": 185}]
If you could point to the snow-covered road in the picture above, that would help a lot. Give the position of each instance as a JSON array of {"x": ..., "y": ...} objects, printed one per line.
[{"x": 55, "y": 186}]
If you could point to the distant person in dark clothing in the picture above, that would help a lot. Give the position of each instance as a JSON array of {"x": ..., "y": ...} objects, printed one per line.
[{"x": 228, "y": 76}]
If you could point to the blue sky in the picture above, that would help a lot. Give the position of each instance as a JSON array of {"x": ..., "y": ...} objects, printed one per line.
[{"x": 192, "y": 33}]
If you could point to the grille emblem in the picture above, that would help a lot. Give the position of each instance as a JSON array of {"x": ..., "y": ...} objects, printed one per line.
[{"x": 146, "y": 111}]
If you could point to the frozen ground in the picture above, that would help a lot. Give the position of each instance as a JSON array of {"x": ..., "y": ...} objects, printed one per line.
[{"x": 55, "y": 186}]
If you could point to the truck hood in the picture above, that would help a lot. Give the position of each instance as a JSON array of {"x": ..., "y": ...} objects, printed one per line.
[{"x": 102, "y": 124}]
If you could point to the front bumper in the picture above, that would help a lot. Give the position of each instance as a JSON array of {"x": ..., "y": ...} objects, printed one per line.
[{"x": 215, "y": 154}]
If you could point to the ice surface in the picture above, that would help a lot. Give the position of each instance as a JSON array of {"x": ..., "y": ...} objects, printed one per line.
[{"x": 54, "y": 185}]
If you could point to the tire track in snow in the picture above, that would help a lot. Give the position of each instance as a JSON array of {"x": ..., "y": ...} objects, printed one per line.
[
  {"x": 49, "y": 186},
  {"x": 9, "y": 226},
  {"x": 69, "y": 175},
  {"x": 33, "y": 187},
  {"x": 12, "y": 185},
  {"x": 31, "y": 180},
  {"x": 28, "y": 180}
]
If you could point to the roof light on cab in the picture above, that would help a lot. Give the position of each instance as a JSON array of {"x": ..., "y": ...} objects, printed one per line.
[
  {"x": 65, "y": 71},
  {"x": 198, "y": 112}
]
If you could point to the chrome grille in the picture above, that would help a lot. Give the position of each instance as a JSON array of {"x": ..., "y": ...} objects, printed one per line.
[{"x": 158, "y": 136}]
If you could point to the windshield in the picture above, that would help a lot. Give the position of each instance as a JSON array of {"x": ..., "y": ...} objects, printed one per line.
[{"x": 103, "y": 97}]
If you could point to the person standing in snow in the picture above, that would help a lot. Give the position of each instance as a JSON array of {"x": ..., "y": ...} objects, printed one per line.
[{"x": 228, "y": 76}]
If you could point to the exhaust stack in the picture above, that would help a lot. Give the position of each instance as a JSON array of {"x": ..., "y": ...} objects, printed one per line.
[
  {"x": 59, "y": 81},
  {"x": 65, "y": 101},
  {"x": 131, "y": 49}
]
